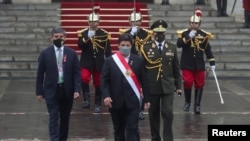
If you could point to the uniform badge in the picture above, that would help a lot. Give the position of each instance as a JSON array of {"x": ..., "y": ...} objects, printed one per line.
[
  {"x": 166, "y": 45},
  {"x": 153, "y": 45},
  {"x": 128, "y": 72}
]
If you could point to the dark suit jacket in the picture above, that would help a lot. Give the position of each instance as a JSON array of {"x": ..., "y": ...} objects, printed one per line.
[
  {"x": 115, "y": 85},
  {"x": 47, "y": 73}
]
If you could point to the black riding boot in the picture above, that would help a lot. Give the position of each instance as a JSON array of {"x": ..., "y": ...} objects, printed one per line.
[
  {"x": 98, "y": 100},
  {"x": 200, "y": 2},
  {"x": 86, "y": 96},
  {"x": 219, "y": 9},
  {"x": 198, "y": 95},
  {"x": 247, "y": 19},
  {"x": 187, "y": 93},
  {"x": 7, "y": 2},
  {"x": 165, "y": 2},
  {"x": 224, "y": 8}
]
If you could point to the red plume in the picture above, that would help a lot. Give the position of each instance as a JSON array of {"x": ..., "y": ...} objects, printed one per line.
[
  {"x": 137, "y": 8},
  {"x": 96, "y": 8},
  {"x": 198, "y": 12}
]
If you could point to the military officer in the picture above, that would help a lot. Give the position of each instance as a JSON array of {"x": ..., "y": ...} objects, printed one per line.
[
  {"x": 194, "y": 43},
  {"x": 95, "y": 46},
  {"x": 140, "y": 35},
  {"x": 164, "y": 79}
]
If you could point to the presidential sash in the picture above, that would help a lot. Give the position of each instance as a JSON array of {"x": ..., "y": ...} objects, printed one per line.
[{"x": 128, "y": 73}]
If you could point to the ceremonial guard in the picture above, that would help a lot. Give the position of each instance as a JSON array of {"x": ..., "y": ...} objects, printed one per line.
[
  {"x": 164, "y": 79},
  {"x": 194, "y": 43},
  {"x": 95, "y": 46},
  {"x": 140, "y": 36}
]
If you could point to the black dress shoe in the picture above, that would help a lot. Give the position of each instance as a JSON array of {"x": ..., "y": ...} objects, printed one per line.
[{"x": 164, "y": 3}]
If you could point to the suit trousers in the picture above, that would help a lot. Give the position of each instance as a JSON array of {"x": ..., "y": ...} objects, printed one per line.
[
  {"x": 125, "y": 122},
  {"x": 161, "y": 104},
  {"x": 59, "y": 115}
]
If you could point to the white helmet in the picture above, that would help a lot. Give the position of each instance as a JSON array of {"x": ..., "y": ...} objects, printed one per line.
[
  {"x": 93, "y": 17},
  {"x": 195, "y": 18},
  {"x": 135, "y": 17}
]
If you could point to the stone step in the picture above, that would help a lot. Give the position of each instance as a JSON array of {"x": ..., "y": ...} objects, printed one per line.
[
  {"x": 19, "y": 74},
  {"x": 26, "y": 30},
  {"x": 244, "y": 74}
]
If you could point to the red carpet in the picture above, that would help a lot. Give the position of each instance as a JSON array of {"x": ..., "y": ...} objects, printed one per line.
[{"x": 113, "y": 16}]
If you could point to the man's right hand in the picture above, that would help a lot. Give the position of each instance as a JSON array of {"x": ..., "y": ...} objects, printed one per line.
[
  {"x": 91, "y": 33},
  {"x": 134, "y": 30},
  {"x": 192, "y": 34}
]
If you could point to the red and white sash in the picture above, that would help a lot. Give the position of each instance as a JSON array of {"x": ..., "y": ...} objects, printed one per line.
[{"x": 128, "y": 73}]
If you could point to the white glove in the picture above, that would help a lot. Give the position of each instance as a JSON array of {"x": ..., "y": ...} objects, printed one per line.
[
  {"x": 212, "y": 67},
  {"x": 192, "y": 34},
  {"x": 91, "y": 33},
  {"x": 134, "y": 30}
]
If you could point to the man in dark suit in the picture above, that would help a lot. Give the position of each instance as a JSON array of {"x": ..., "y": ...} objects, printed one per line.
[
  {"x": 164, "y": 79},
  {"x": 58, "y": 82},
  {"x": 140, "y": 36},
  {"x": 123, "y": 81},
  {"x": 94, "y": 43}
]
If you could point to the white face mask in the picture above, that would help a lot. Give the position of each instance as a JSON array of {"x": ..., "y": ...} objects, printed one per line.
[{"x": 125, "y": 50}]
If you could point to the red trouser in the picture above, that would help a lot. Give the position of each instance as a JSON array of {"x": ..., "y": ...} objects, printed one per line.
[
  {"x": 86, "y": 77},
  {"x": 197, "y": 77}
]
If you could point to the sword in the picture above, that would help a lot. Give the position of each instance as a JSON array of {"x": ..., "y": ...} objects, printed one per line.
[
  {"x": 215, "y": 77},
  {"x": 233, "y": 7}
]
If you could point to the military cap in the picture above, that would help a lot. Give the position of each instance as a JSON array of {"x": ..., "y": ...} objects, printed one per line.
[{"x": 159, "y": 26}]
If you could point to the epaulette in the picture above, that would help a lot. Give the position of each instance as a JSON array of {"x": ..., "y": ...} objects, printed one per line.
[
  {"x": 109, "y": 34},
  {"x": 179, "y": 32},
  {"x": 79, "y": 32},
  {"x": 209, "y": 34},
  {"x": 104, "y": 30},
  {"x": 149, "y": 31},
  {"x": 122, "y": 31}
]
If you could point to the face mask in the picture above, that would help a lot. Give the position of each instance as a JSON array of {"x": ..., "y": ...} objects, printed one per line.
[
  {"x": 160, "y": 37},
  {"x": 125, "y": 50},
  {"x": 58, "y": 42}
]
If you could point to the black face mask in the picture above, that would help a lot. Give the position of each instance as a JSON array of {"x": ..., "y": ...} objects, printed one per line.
[
  {"x": 58, "y": 42},
  {"x": 160, "y": 37}
]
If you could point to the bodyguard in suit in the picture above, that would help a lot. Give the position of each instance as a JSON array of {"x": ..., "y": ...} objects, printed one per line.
[
  {"x": 164, "y": 79},
  {"x": 58, "y": 82},
  {"x": 123, "y": 82}
]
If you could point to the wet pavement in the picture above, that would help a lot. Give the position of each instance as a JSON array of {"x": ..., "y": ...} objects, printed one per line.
[{"x": 24, "y": 118}]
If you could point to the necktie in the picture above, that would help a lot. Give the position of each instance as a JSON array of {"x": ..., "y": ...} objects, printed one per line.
[
  {"x": 60, "y": 66},
  {"x": 59, "y": 58},
  {"x": 159, "y": 47}
]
